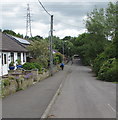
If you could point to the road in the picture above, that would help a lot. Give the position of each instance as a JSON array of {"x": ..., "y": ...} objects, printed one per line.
[{"x": 82, "y": 96}]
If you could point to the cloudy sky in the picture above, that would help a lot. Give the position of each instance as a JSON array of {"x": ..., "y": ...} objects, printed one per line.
[{"x": 69, "y": 15}]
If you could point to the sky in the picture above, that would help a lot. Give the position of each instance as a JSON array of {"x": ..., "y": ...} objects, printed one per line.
[{"x": 69, "y": 16}]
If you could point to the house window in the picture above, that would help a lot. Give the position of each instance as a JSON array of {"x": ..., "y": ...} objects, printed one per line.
[
  {"x": 12, "y": 56},
  {"x": 5, "y": 59},
  {"x": 23, "y": 57},
  {"x": 19, "y": 56},
  {"x": 2, "y": 59}
]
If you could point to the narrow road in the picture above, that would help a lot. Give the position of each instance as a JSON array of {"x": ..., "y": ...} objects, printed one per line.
[
  {"x": 32, "y": 102},
  {"x": 82, "y": 96}
]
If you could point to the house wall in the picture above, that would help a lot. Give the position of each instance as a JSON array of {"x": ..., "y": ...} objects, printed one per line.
[
  {"x": 5, "y": 67},
  {"x": 9, "y": 58},
  {"x": 0, "y": 63}
]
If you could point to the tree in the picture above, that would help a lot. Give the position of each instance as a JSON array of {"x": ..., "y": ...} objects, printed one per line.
[
  {"x": 39, "y": 51},
  {"x": 11, "y": 32}
]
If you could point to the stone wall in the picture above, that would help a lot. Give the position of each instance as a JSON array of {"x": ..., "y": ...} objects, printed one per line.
[{"x": 18, "y": 80}]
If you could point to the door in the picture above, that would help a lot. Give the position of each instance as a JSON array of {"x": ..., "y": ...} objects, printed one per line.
[{"x": 4, "y": 64}]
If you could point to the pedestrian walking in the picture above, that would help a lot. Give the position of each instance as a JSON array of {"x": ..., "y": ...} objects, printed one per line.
[{"x": 62, "y": 66}]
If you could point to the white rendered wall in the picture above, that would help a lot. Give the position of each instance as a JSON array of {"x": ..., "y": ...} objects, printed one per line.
[{"x": 0, "y": 63}]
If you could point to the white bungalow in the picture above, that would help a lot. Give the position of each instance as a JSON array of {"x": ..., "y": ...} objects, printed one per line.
[{"x": 11, "y": 49}]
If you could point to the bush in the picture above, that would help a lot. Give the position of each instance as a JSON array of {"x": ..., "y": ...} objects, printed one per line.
[
  {"x": 5, "y": 82},
  {"x": 58, "y": 58},
  {"x": 98, "y": 62},
  {"x": 38, "y": 66},
  {"x": 30, "y": 66},
  {"x": 109, "y": 70}
]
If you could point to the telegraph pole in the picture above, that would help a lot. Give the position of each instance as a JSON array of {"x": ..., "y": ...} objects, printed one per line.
[
  {"x": 50, "y": 38},
  {"x": 51, "y": 51},
  {"x": 63, "y": 51}
]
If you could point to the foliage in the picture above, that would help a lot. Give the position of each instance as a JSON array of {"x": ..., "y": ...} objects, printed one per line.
[
  {"x": 12, "y": 33},
  {"x": 39, "y": 51},
  {"x": 11, "y": 64},
  {"x": 58, "y": 57},
  {"x": 5, "y": 82},
  {"x": 18, "y": 62},
  {"x": 109, "y": 70},
  {"x": 109, "y": 52},
  {"x": 30, "y": 66},
  {"x": 66, "y": 43}
]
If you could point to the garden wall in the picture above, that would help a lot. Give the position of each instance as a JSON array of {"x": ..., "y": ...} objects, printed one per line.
[{"x": 20, "y": 80}]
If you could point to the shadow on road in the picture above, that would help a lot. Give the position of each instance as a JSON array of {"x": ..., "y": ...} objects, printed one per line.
[{"x": 77, "y": 62}]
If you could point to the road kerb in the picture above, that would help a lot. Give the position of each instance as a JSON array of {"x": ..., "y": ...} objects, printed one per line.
[{"x": 45, "y": 114}]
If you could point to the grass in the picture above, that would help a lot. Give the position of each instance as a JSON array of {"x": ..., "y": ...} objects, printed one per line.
[{"x": 115, "y": 82}]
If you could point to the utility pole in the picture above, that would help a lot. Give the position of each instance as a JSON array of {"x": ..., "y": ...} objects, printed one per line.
[
  {"x": 28, "y": 22},
  {"x": 63, "y": 51},
  {"x": 51, "y": 51}
]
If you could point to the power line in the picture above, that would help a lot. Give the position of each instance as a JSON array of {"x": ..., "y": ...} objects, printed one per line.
[
  {"x": 44, "y": 8},
  {"x": 72, "y": 25}
]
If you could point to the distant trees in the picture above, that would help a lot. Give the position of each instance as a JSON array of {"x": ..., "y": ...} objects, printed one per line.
[{"x": 13, "y": 33}]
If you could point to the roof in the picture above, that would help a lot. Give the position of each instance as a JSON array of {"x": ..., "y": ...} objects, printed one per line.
[
  {"x": 9, "y": 44},
  {"x": 22, "y": 41}
]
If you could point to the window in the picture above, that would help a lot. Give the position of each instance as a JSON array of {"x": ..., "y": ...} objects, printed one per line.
[
  {"x": 2, "y": 59},
  {"x": 12, "y": 56},
  {"x": 19, "y": 56},
  {"x": 23, "y": 57},
  {"x": 5, "y": 59}
]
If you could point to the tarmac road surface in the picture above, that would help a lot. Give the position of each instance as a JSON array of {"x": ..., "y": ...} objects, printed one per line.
[{"x": 82, "y": 96}]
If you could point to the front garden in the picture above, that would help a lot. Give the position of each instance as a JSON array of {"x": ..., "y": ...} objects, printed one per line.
[{"x": 21, "y": 79}]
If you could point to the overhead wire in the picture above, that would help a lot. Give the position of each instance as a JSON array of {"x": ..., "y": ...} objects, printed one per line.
[{"x": 44, "y": 7}]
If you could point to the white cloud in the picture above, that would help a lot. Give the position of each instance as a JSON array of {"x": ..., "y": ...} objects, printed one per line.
[
  {"x": 27, "y": 1},
  {"x": 68, "y": 17},
  {"x": 68, "y": 32}
]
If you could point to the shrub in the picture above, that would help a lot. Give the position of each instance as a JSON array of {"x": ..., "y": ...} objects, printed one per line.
[
  {"x": 38, "y": 66},
  {"x": 5, "y": 82},
  {"x": 11, "y": 64},
  {"x": 58, "y": 58},
  {"x": 98, "y": 62},
  {"x": 109, "y": 70},
  {"x": 18, "y": 62},
  {"x": 30, "y": 66}
]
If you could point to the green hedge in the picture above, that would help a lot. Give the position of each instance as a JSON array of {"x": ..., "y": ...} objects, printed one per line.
[
  {"x": 30, "y": 66},
  {"x": 109, "y": 71}
]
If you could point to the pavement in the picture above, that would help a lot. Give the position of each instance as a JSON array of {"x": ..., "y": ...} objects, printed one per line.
[
  {"x": 83, "y": 96},
  {"x": 33, "y": 101}
]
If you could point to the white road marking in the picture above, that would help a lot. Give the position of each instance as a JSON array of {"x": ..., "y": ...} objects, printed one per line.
[{"x": 111, "y": 107}]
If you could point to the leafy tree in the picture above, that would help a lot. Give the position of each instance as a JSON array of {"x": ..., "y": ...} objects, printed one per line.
[
  {"x": 37, "y": 37},
  {"x": 39, "y": 51}
]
